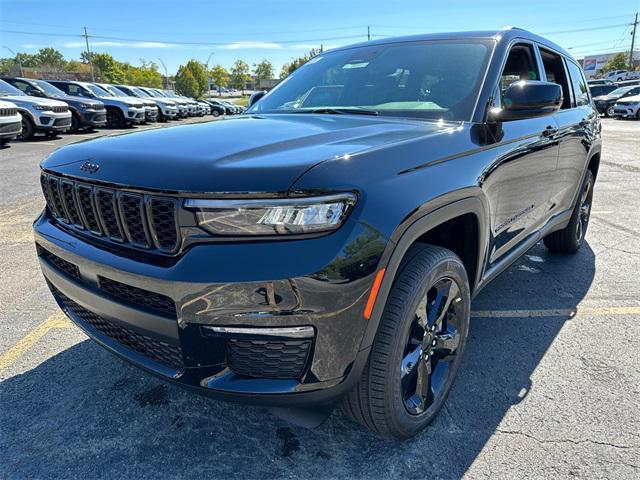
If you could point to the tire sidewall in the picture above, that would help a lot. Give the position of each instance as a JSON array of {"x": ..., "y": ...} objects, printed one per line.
[
  {"x": 28, "y": 128},
  {"x": 405, "y": 422}
]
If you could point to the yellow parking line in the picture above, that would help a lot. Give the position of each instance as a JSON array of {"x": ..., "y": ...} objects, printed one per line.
[
  {"x": 562, "y": 312},
  {"x": 57, "y": 320}
]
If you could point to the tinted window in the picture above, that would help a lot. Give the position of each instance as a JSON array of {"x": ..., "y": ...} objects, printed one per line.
[
  {"x": 554, "y": 69},
  {"x": 520, "y": 65},
  {"x": 580, "y": 89},
  {"x": 432, "y": 79}
]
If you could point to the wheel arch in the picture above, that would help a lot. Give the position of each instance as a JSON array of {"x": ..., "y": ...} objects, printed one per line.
[{"x": 469, "y": 215}]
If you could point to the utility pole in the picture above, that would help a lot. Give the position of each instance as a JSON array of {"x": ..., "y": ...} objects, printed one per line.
[
  {"x": 368, "y": 33},
  {"x": 206, "y": 67},
  {"x": 633, "y": 41},
  {"x": 89, "y": 56},
  {"x": 15, "y": 57},
  {"x": 166, "y": 75}
]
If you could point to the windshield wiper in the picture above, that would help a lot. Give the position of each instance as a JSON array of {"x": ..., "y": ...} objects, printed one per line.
[{"x": 339, "y": 111}]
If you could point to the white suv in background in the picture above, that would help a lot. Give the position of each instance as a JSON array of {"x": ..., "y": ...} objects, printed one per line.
[
  {"x": 627, "y": 107},
  {"x": 38, "y": 114},
  {"x": 10, "y": 122},
  {"x": 621, "y": 75}
]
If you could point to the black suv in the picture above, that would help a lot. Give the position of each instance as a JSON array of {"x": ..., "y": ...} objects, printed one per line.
[
  {"x": 326, "y": 244},
  {"x": 86, "y": 113}
]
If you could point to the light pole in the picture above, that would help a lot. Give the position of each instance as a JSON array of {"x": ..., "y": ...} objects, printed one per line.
[
  {"x": 166, "y": 75},
  {"x": 206, "y": 67},
  {"x": 15, "y": 57}
]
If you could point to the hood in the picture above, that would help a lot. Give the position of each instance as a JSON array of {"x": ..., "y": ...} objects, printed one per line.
[
  {"x": 631, "y": 99},
  {"x": 248, "y": 154},
  {"x": 84, "y": 100},
  {"x": 27, "y": 100},
  {"x": 120, "y": 100}
]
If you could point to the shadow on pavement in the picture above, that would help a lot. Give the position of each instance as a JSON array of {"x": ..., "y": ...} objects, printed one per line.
[{"x": 84, "y": 414}]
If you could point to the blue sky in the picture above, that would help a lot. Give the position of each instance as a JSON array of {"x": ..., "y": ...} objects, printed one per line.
[{"x": 278, "y": 30}]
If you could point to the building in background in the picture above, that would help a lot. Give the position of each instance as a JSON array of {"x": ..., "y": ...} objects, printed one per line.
[{"x": 593, "y": 64}]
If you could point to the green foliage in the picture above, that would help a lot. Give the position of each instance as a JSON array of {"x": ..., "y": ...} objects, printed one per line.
[
  {"x": 186, "y": 84},
  {"x": 199, "y": 72},
  {"x": 240, "y": 74},
  {"x": 263, "y": 70},
  {"x": 146, "y": 75},
  {"x": 219, "y": 75},
  {"x": 110, "y": 70},
  {"x": 295, "y": 63},
  {"x": 50, "y": 59},
  {"x": 26, "y": 60},
  {"x": 618, "y": 62}
]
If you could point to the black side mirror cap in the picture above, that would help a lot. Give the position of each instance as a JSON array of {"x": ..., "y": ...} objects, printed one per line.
[
  {"x": 528, "y": 99},
  {"x": 255, "y": 96}
]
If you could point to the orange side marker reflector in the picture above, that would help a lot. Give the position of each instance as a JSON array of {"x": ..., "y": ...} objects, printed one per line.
[{"x": 373, "y": 294}]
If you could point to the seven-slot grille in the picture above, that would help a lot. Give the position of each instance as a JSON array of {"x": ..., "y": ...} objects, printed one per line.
[
  {"x": 8, "y": 112},
  {"x": 60, "y": 109},
  {"x": 142, "y": 221}
]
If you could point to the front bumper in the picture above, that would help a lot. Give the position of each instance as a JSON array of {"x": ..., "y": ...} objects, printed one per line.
[
  {"x": 135, "y": 115},
  {"x": 52, "y": 121},
  {"x": 626, "y": 111},
  {"x": 11, "y": 129},
  {"x": 316, "y": 283},
  {"x": 151, "y": 114},
  {"x": 93, "y": 118}
]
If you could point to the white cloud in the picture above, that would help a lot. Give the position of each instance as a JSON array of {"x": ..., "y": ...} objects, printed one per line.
[
  {"x": 32, "y": 45},
  {"x": 308, "y": 46},
  {"x": 249, "y": 44},
  {"x": 121, "y": 44}
]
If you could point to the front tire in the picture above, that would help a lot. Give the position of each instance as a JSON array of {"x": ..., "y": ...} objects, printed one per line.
[
  {"x": 418, "y": 348},
  {"x": 570, "y": 238},
  {"x": 28, "y": 128},
  {"x": 115, "y": 118}
]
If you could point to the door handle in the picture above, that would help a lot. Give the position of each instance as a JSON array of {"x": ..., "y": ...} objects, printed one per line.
[{"x": 549, "y": 131}]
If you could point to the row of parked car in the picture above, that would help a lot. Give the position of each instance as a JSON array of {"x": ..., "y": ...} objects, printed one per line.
[
  {"x": 616, "y": 99},
  {"x": 28, "y": 106}
]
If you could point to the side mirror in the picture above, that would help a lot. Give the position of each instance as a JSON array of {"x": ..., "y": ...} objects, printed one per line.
[
  {"x": 255, "y": 96},
  {"x": 36, "y": 93},
  {"x": 528, "y": 99}
]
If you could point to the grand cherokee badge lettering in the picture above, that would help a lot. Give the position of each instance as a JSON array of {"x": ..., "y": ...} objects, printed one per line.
[{"x": 89, "y": 167}]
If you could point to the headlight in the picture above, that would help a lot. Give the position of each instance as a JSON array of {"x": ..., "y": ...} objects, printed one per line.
[
  {"x": 286, "y": 216},
  {"x": 43, "y": 107},
  {"x": 86, "y": 106}
]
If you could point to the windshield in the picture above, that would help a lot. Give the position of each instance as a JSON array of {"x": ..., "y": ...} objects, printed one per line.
[
  {"x": 430, "y": 79},
  {"x": 49, "y": 89},
  {"x": 7, "y": 89},
  {"x": 100, "y": 92},
  {"x": 139, "y": 92},
  {"x": 114, "y": 91},
  {"x": 621, "y": 91}
]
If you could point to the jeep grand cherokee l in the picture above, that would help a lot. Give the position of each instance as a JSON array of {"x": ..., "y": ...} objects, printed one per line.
[
  {"x": 85, "y": 112},
  {"x": 325, "y": 245},
  {"x": 121, "y": 112},
  {"x": 38, "y": 114}
]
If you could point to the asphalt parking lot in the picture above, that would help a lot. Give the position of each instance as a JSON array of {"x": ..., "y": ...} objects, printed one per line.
[{"x": 549, "y": 388}]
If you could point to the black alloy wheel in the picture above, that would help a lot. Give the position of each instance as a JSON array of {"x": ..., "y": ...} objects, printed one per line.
[
  {"x": 418, "y": 347},
  {"x": 431, "y": 347},
  {"x": 571, "y": 238},
  {"x": 115, "y": 118}
]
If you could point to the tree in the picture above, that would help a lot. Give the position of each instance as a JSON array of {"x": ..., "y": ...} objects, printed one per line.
[
  {"x": 200, "y": 75},
  {"x": 111, "y": 71},
  {"x": 186, "y": 84},
  {"x": 50, "y": 59},
  {"x": 618, "y": 62},
  {"x": 295, "y": 63},
  {"x": 240, "y": 74},
  {"x": 26, "y": 59},
  {"x": 146, "y": 75},
  {"x": 220, "y": 76},
  {"x": 263, "y": 70}
]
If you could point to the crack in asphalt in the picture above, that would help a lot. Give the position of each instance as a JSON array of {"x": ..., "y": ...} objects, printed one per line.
[{"x": 567, "y": 440}]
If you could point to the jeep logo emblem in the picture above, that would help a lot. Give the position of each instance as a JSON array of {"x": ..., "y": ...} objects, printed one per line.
[{"x": 89, "y": 167}]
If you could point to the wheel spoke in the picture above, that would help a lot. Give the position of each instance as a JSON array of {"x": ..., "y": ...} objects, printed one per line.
[
  {"x": 448, "y": 291},
  {"x": 423, "y": 384},
  {"x": 446, "y": 345}
]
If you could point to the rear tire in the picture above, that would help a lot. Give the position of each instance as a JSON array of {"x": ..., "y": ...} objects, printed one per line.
[
  {"x": 407, "y": 378},
  {"x": 28, "y": 128},
  {"x": 570, "y": 238}
]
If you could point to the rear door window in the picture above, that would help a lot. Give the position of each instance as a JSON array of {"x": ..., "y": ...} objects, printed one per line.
[
  {"x": 555, "y": 72},
  {"x": 579, "y": 85}
]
